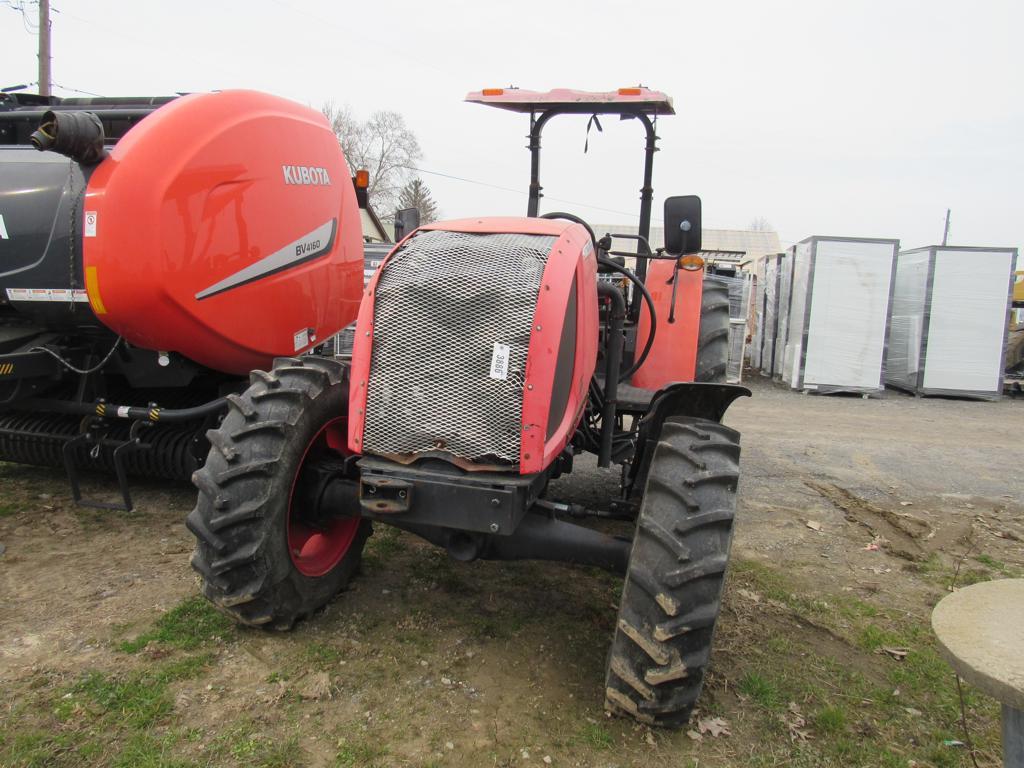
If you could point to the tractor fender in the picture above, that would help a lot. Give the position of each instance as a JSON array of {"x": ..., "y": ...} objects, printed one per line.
[{"x": 702, "y": 400}]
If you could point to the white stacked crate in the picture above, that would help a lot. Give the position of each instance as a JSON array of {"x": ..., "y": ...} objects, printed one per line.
[
  {"x": 784, "y": 299},
  {"x": 768, "y": 313},
  {"x": 840, "y": 291},
  {"x": 950, "y": 317}
]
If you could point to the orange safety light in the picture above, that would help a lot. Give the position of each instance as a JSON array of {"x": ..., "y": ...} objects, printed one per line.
[
  {"x": 363, "y": 179},
  {"x": 692, "y": 262},
  {"x": 494, "y": 91},
  {"x": 630, "y": 91}
]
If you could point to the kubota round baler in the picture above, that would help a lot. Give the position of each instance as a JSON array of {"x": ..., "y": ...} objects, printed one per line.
[{"x": 153, "y": 255}]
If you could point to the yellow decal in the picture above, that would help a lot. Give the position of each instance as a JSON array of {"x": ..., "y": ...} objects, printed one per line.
[
  {"x": 92, "y": 287},
  {"x": 6, "y": 369}
]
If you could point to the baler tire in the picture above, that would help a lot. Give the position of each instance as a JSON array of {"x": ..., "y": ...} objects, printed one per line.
[
  {"x": 241, "y": 520},
  {"x": 713, "y": 339},
  {"x": 673, "y": 588}
]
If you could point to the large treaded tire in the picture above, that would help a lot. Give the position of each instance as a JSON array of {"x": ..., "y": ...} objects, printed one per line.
[
  {"x": 241, "y": 518},
  {"x": 713, "y": 342},
  {"x": 673, "y": 589}
]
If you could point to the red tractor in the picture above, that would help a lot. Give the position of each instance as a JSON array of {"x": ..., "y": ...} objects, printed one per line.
[{"x": 489, "y": 353}]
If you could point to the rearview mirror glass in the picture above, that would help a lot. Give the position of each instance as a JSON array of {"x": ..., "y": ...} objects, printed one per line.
[{"x": 682, "y": 225}]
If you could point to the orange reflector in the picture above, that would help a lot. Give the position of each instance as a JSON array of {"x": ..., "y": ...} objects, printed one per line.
[
  {"x": 494, "y": 91},
  {"x": 693, "y": 262},
  {"x": 629, "y": 91},
  {"x": 362, "y": 179},
  {"x": 92, "y": 290}
]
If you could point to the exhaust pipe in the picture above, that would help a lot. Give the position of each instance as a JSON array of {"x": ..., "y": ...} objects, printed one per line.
[{"x": 78, "y": 135}]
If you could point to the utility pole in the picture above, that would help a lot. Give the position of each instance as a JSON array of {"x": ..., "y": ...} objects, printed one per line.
[
  {"x": 44, "y": 47},
  {"x": 945, "y": 232}
]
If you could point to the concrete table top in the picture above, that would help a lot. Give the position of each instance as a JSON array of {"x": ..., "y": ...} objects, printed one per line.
[{"x": 980, "y": 629}]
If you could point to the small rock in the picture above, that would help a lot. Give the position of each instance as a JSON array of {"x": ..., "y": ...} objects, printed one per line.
[
  {"x": 547, "y": 759},
  {"x": 814, "y": 525},
  {"x": 316, "y": 687},
  {"x": 446, "y": 681},
  {"x": 912, "y": 712},
  {"x": 906, "y": 503},
  {"x": 385, "y": 591},
  {"x": 525, "y": 754},
  {"x": 449, "y": 745}
]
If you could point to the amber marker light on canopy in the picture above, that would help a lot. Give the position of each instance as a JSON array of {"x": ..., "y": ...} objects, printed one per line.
[
  {"x": 693, "y": 262},
  {"x": 629, "y": 91},
  {"x": 493, "y": 91},
  {"x": 363, "y": 179}
]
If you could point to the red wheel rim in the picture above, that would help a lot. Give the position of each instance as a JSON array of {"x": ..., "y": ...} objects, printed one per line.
[{"x": 315, "y": 551}]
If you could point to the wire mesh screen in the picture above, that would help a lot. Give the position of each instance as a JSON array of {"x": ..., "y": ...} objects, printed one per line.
[{"x": 451, "y": 330}]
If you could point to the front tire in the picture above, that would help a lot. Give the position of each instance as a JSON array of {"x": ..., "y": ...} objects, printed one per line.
[
  {"x": 673, "y": 589},
  {"x": 713, "y": 339},
  {"x": 262, "y": 559}
]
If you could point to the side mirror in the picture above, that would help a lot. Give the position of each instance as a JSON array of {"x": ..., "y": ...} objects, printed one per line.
[
  {"x": 682, "y": 225},
  {"x": 406, "y": 220}
]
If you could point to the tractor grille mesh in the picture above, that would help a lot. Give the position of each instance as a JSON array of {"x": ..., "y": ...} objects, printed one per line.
[{"x": 441, "y": 304}]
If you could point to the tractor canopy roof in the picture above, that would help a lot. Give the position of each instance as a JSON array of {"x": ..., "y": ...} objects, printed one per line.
[{"x": 617, "y": 102}]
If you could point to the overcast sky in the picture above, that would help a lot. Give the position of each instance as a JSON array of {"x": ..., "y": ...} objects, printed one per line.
[{"x": 855, "y": 119}]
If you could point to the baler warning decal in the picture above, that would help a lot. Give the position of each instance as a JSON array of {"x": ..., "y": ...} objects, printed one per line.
[{"x": 308, "y": 247}]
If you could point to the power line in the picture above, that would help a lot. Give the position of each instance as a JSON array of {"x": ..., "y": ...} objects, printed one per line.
[
  {"x": 521, "y": 192},
  {"x": 78, "y": 90}
]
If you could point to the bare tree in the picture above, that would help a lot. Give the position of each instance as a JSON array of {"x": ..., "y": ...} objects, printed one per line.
[
  {"x": 761, "y": 224},
  {"x": 383, "y": 145},
  {"x": 417, "y": 195}
]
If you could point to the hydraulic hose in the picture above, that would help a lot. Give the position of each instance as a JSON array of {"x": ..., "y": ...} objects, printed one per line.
[
  {"x": 133, "y": 412},
  {"x": 616, "y": 317},
  {"x": 629, "y": 275}
]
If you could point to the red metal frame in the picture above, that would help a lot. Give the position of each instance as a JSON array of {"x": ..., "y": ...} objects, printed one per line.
[
  {"x": 673, "y": 355},
  {"x": 590, "y": 102},
  {"x": 197, "y": 193},
  {"x": 572, "y": 256}
]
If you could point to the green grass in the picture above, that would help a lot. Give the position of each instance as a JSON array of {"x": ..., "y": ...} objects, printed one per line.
[
  {"x": 829, "y": 720},
  {"x": 6, "y": 510},
  {"x": 137, "y": 699},
  {"x": 36, "y": 748},
  {"x": 321, "y": 657},
  {"x": 385, "y": 543},
  {"x": 760, "y": 689},
  {"x": 146, "y": 751},
  {"x": 186, "y": 626},
  {"x": 596, "y": 736},
  {"x": 358, "y": 754},
  {"x": 863, "y": 707}
]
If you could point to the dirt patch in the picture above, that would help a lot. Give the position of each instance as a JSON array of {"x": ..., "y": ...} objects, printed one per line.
[
  {"x": 898, "y": 532},
  {"x": 504, "y": 662}
]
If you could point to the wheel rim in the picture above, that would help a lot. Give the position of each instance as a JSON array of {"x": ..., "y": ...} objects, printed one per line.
[{"x": 316, "y": 550}]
